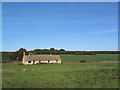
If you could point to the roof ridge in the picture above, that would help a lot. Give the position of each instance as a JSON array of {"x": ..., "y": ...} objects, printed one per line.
[{"x": 42, "y": 55}]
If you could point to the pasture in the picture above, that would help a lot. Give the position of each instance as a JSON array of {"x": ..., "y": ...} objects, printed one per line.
[
  {"x": 89, "y": 58},
  {"x": 70, "y": 74}
]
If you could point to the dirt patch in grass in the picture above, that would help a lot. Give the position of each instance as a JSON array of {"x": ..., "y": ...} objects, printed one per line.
[{"x": 7, "y": 71}]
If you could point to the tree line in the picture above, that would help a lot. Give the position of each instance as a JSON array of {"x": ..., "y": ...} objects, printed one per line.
[
  {"x": 63, "y": 51},
  {"x": 18, "y": 55}
]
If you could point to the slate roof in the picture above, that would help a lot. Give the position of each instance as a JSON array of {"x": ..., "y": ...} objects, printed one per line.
[{"x": 41, "y": 57}]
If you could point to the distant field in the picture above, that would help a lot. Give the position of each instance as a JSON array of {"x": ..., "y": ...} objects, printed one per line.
[
  {"x": 89, "y": 58},
  {"x": 66, "y": 75}
]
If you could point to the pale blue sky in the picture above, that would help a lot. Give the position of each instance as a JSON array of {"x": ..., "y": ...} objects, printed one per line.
[{"x": 72, "y": 26}]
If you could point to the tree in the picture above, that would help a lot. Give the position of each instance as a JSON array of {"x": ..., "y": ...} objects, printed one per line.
[
  {"x": 20, "y": 53},
  {"x": 62, "y": 50},
  {"x": 46, "y": 49},
  {"x": 52, "y": 49},
  {"x": 21, "y": 50}
]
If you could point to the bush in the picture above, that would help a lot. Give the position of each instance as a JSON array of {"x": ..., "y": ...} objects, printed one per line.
[{"x": 83, "y": 61}]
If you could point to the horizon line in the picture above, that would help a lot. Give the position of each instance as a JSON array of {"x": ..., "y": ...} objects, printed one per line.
[{"x": 70, "y": 50}]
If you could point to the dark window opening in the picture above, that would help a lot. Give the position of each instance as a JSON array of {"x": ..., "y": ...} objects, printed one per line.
[{"x": 29, "y": 61}]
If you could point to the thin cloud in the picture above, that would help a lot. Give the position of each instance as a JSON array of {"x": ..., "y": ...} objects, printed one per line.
[{"x": 104, "y": 32}]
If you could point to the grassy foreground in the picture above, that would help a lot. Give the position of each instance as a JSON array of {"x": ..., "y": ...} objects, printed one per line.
[{"x": 66, "y": 75}]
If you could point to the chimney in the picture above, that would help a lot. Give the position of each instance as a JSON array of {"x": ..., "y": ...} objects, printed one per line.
[
  {"x": 23, "y": 53},
  {"x": 23, "y": 57}
]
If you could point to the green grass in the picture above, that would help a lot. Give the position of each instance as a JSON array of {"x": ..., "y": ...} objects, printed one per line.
[
  {"x": 90, "y": 58},
  {"x": 80, "y": 75}
]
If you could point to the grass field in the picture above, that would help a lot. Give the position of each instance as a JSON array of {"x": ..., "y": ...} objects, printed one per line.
[
  {"x": 89, "y": 58},
  {"x": 70, "y": 74}
]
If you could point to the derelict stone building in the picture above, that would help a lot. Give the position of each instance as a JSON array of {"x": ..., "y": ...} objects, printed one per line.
[{"x": 37, "y": 59}]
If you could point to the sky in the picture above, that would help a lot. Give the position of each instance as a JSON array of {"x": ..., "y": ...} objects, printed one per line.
[{"x": 76, "y": 26}]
